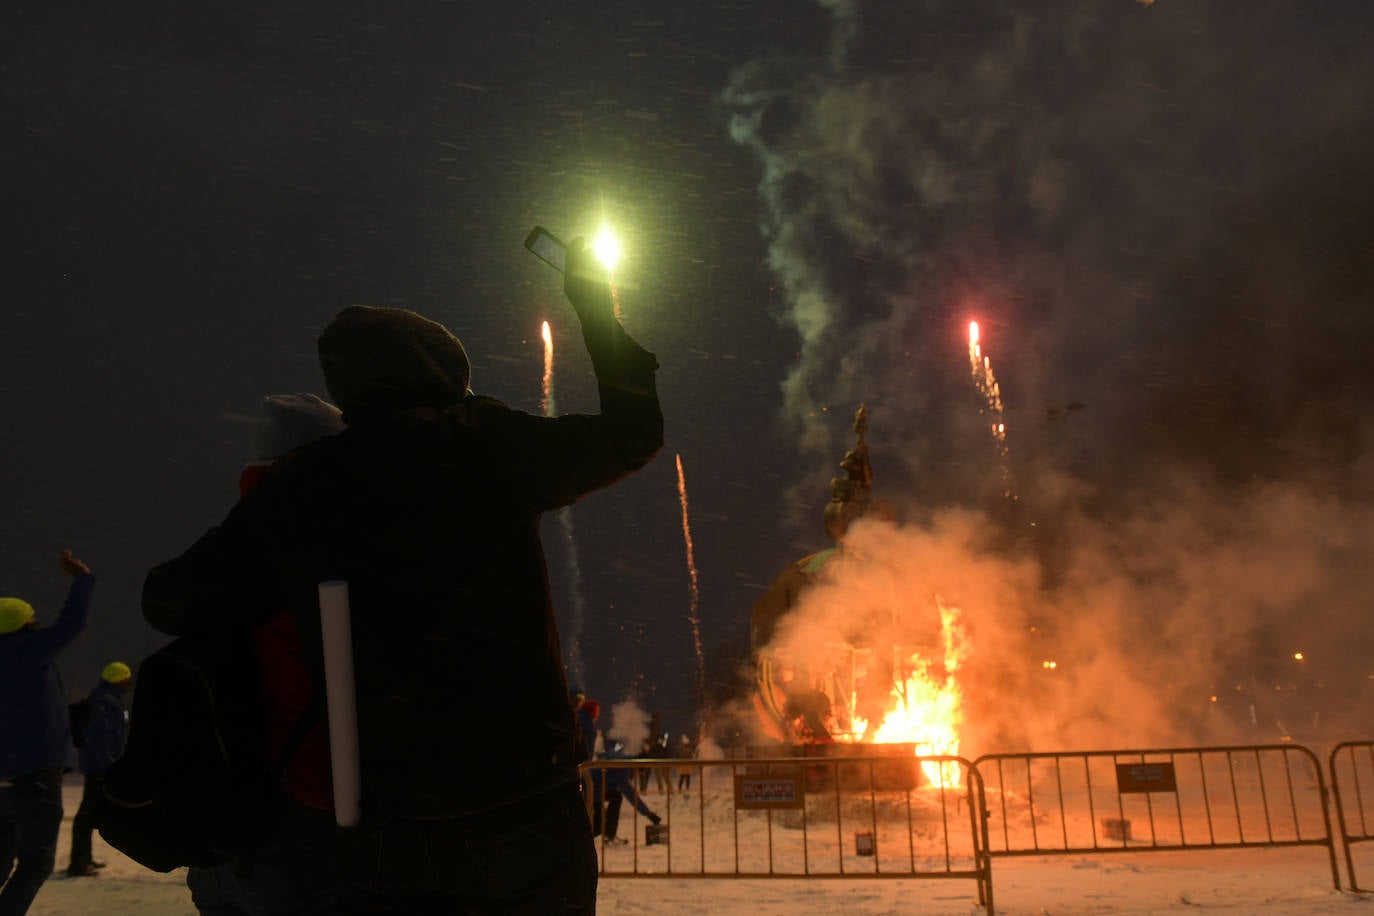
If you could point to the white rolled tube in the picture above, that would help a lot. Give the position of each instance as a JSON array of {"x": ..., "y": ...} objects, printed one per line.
[{"x": 342, "y": 699}]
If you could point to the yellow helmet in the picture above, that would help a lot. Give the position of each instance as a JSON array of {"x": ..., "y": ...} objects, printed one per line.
[
  {"x": 116, "y": 673},
  {"x": 15, "y": 613}
]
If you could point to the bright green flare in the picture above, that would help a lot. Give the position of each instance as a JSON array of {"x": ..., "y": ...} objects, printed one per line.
[{"x": 606, "y": 247}]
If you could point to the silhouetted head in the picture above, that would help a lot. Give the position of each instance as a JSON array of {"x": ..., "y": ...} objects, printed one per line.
[{"x": 379, "y": 361}]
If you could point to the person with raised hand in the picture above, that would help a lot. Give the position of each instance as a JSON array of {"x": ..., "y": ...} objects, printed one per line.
[{"x": 35, "y": 735}]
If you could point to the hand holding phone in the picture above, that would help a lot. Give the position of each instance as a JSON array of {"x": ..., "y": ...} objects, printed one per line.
[
  {"x": 548, "y": 247},
  {"x": 586, "y": 282}
]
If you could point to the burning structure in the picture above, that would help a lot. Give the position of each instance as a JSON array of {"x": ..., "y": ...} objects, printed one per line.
[{"x": 880, "y": 672}]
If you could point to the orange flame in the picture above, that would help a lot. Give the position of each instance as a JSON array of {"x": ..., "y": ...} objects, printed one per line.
[{"x": 928, "y": 708}]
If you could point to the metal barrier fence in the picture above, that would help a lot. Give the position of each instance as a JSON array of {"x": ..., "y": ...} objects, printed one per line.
[
  {"x": 1352, "y": 794},
  {"x": 1168, "y": 799},
  {"x": 814, "y": 817}
]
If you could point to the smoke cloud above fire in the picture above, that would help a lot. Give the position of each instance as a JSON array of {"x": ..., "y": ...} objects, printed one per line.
[
  {"x": 1158, "y": 211},
  {"x": 1153, "y": 618},
  {"x": 1159, "y": 214}
]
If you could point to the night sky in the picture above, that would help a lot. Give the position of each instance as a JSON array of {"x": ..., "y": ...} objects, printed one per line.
[{"x": 1162, "y": 215}]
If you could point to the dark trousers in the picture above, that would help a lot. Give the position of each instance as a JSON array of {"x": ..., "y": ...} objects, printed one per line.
[
  {"x": 614, "y": 799},
  {"x": 81, "y": 824},
  {"x": 532, "y": 858},
  {"x": 292, "y": 873},
  {"x": 30, "y": 816}
]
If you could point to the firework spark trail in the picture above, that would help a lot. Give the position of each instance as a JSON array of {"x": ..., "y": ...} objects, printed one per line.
[
  {"x": 579, "y": 609},
  {"x": 546, "y": 403},
  {"x": 694, "y": 609},
  {"x": 986, "y": 383},
  {"x": 565, "y": 521}
]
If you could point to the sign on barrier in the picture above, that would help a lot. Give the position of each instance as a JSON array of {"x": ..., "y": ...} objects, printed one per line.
[
  {"x": 1145, "y": 777},
  {"x": 755, "y": 792}
]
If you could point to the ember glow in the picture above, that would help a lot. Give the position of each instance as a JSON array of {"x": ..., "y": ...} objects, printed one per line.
[
  {"x": 981, "y": 368},
  {"x": 694, "y": 609}
]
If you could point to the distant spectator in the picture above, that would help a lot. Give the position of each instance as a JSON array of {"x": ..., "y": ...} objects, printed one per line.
[
  {"x": 35, "y": 736},
  {"x": 102, "y": 744},
  {"x": 655, "y": 748},
  {"x": 659, "y": 741},
  {"x": 686, "y": 750},
  {"x": 646, "y": 750}
]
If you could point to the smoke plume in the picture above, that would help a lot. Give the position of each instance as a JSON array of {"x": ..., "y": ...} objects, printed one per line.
[
  {"x": 630, "y": 725},
  {"x": 1158, "y": 213}
]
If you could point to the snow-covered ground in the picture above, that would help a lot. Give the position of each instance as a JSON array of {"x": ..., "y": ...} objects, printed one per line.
[{"x": 1261, "y": 882}]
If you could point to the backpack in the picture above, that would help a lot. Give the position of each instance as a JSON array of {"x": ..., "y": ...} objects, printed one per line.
[
  {"x": 196, "y": 785},
  {"x": 79, "y": 714}
]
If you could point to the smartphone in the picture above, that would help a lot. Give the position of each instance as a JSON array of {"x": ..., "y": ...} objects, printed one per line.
[{"x": 548, "y": 247}]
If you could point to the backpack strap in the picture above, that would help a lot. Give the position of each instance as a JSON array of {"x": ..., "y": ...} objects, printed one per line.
[{"x": 297, "y": 737}]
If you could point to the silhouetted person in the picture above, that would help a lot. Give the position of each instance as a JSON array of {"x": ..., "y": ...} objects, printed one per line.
[
  {"x": 291, "y": 872},
  {"x": 35, "y": 736},
  {"x": 686, "y": 750},
  {"x": 102, "y": 743},
  {"x": 428, "y": 505}
]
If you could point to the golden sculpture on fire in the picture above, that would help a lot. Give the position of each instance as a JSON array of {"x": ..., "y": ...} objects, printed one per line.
[{"x": 873, "y": 690}]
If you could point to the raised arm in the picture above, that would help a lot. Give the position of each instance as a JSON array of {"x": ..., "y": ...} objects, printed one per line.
[
  {"x": 45, "y": 644},
  {"x": 567, "y": 457}
]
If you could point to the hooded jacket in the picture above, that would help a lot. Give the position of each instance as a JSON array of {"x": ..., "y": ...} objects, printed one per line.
[{"x": 428, "y": 505}]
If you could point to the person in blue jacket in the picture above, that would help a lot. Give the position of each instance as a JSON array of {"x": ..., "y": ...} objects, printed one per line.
[
  {"x": 35, "y": 736},
  {"x": 620, "y": 784},
  {"x": 102, "y": 744}
]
